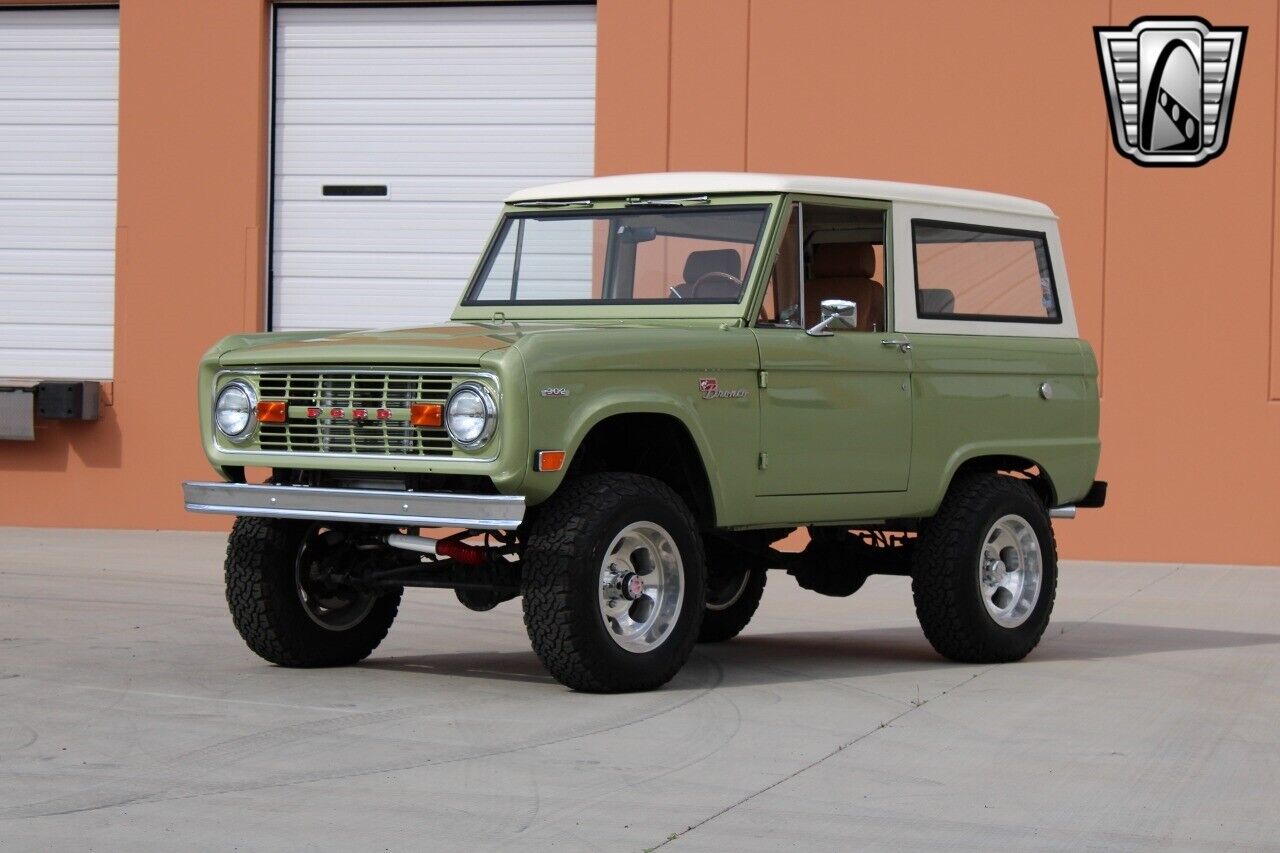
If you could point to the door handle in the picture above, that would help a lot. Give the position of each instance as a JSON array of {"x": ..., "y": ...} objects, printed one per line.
[{"x": 903, "y": 346}]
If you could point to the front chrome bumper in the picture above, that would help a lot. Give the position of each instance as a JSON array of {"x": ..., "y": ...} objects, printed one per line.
[{"x": 367, "y": 506}]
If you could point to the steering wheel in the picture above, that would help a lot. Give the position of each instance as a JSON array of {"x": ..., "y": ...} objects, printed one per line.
[{"x": 711, "y": 277}]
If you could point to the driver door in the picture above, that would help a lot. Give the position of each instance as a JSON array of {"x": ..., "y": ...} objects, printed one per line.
[{"x": 835, "y": 408}]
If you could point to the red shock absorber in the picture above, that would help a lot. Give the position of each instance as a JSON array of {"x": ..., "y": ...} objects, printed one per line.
[{"x": 461, "y": 552}]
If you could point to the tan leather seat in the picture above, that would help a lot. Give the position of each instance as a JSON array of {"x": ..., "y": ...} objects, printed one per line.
[
  {"x": 843, "y": 271},
  {"x": 707, "y": 261},
  {"x": 700, "y": 263}
]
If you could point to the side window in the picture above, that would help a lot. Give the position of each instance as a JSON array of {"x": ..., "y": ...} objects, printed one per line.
[
  {"x": 968, "y": 272},
  {"x": 827, "y": 252},
  {"x": 844, "y": 259}
]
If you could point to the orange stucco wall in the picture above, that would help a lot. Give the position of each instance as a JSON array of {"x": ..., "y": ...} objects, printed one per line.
[
  {"x": 1174, "y": 270},
  {"x": 189, "y": 260}
]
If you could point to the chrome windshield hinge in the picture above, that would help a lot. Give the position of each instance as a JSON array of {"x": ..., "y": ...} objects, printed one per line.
[{"x": 764, "y": 379}]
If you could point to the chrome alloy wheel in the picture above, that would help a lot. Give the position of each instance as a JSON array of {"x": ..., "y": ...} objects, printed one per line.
[
  {"x": 332, "y": 607},
  {"x": 1010, "y": 571},
  {"x": 641, "y": 587}
]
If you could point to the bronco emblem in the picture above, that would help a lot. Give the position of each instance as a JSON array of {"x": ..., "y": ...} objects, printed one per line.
[{"x": 710, "y": 389}]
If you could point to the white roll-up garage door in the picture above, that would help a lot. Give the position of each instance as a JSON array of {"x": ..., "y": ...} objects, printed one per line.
[
  {"x": 397, "y": 132},
  {"x": 58, "y": 93}
]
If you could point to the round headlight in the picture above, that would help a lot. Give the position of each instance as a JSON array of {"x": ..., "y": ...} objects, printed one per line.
[
  {"x": 235, "y": 410},
  {"x": 470, "y": 415}
]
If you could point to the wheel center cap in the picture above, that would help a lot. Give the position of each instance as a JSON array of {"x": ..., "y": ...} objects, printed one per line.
[{"x": 631, "y": 585}]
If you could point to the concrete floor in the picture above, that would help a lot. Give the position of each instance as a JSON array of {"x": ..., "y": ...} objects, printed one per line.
[{"x": 132, "y": 717}]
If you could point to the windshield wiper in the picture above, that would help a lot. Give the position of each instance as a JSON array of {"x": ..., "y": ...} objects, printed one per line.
[
  {"x": 577, "y": 203},
  {"x": 668, "y": 202}
]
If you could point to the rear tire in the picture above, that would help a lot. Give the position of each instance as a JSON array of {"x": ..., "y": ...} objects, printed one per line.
[
  {"x": 985, "y": 571},
  {"x": 596, "y": 543},
  {"x": 266, "y": 557},
  {"x": 731, "y": 604}
]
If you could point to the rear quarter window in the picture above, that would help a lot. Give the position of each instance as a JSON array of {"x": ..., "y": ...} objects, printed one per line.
[{"x": 973, "y": 272}]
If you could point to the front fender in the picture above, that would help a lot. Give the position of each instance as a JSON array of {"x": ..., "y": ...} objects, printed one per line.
[
  {"x": 578, "y": 421},
  {"x": 577, "y": 380}
]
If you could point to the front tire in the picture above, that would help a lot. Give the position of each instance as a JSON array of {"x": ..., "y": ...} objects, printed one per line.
[
  {"x": 614, "y": 583},
  {"x": 282, "y": 607},
  {"x": 985, "y": 571}
]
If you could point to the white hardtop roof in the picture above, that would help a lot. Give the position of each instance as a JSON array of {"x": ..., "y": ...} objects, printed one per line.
[{"x": 707, "y": 183}]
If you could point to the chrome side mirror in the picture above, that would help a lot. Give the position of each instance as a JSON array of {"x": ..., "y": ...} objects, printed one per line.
[{"x": 840, "y": 313}]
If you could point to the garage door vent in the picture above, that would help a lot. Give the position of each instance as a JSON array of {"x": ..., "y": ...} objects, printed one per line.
[{"x": 354, "y": 189}]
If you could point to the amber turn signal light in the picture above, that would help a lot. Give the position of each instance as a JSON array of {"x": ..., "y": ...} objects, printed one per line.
[
  {"x": 426, "y": 414},
  {"x": 550, "y": 460},
  {"x": 272, "y": 411}
]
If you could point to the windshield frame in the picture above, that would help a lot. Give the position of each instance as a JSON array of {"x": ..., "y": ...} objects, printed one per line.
[{"x": 468, "y": 309}]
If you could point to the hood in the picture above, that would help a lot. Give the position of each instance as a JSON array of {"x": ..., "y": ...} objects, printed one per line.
[
  {"x": 451, "y": 343},
  {"x": 443, "y": 343}
]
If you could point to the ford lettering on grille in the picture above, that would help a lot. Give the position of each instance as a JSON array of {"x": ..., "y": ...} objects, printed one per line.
[{"x": 354, "y": 412}]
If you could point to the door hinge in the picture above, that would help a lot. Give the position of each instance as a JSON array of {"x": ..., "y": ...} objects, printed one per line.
[
  {"x": 764, "y": 461},
  {"x": 764, "y": 379}
]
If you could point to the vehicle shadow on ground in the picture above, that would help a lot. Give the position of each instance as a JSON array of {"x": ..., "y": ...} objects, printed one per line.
[
  {"x": 761, "y": 659},
  {"x": 501, "y": 666}
]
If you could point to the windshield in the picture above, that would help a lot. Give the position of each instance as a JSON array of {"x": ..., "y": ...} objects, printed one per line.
[{"x": 621, "y": 257}]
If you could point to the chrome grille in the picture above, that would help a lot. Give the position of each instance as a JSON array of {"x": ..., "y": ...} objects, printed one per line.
[{"x": 348, "y": 390}]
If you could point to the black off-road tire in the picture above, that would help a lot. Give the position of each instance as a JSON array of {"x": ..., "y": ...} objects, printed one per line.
[
  {"x": 725, "y": 621},
  {"x": 945, "y": 571},
  {"x": 262, "y": 592},
  {"x": 563, "y": 557}
]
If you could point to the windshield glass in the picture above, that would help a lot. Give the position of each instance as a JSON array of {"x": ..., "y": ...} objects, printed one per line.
[{"x": 621, "y": 257}]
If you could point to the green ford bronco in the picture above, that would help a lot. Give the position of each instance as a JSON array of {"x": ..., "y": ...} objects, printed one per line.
[{"x": 650, "y": 381}]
